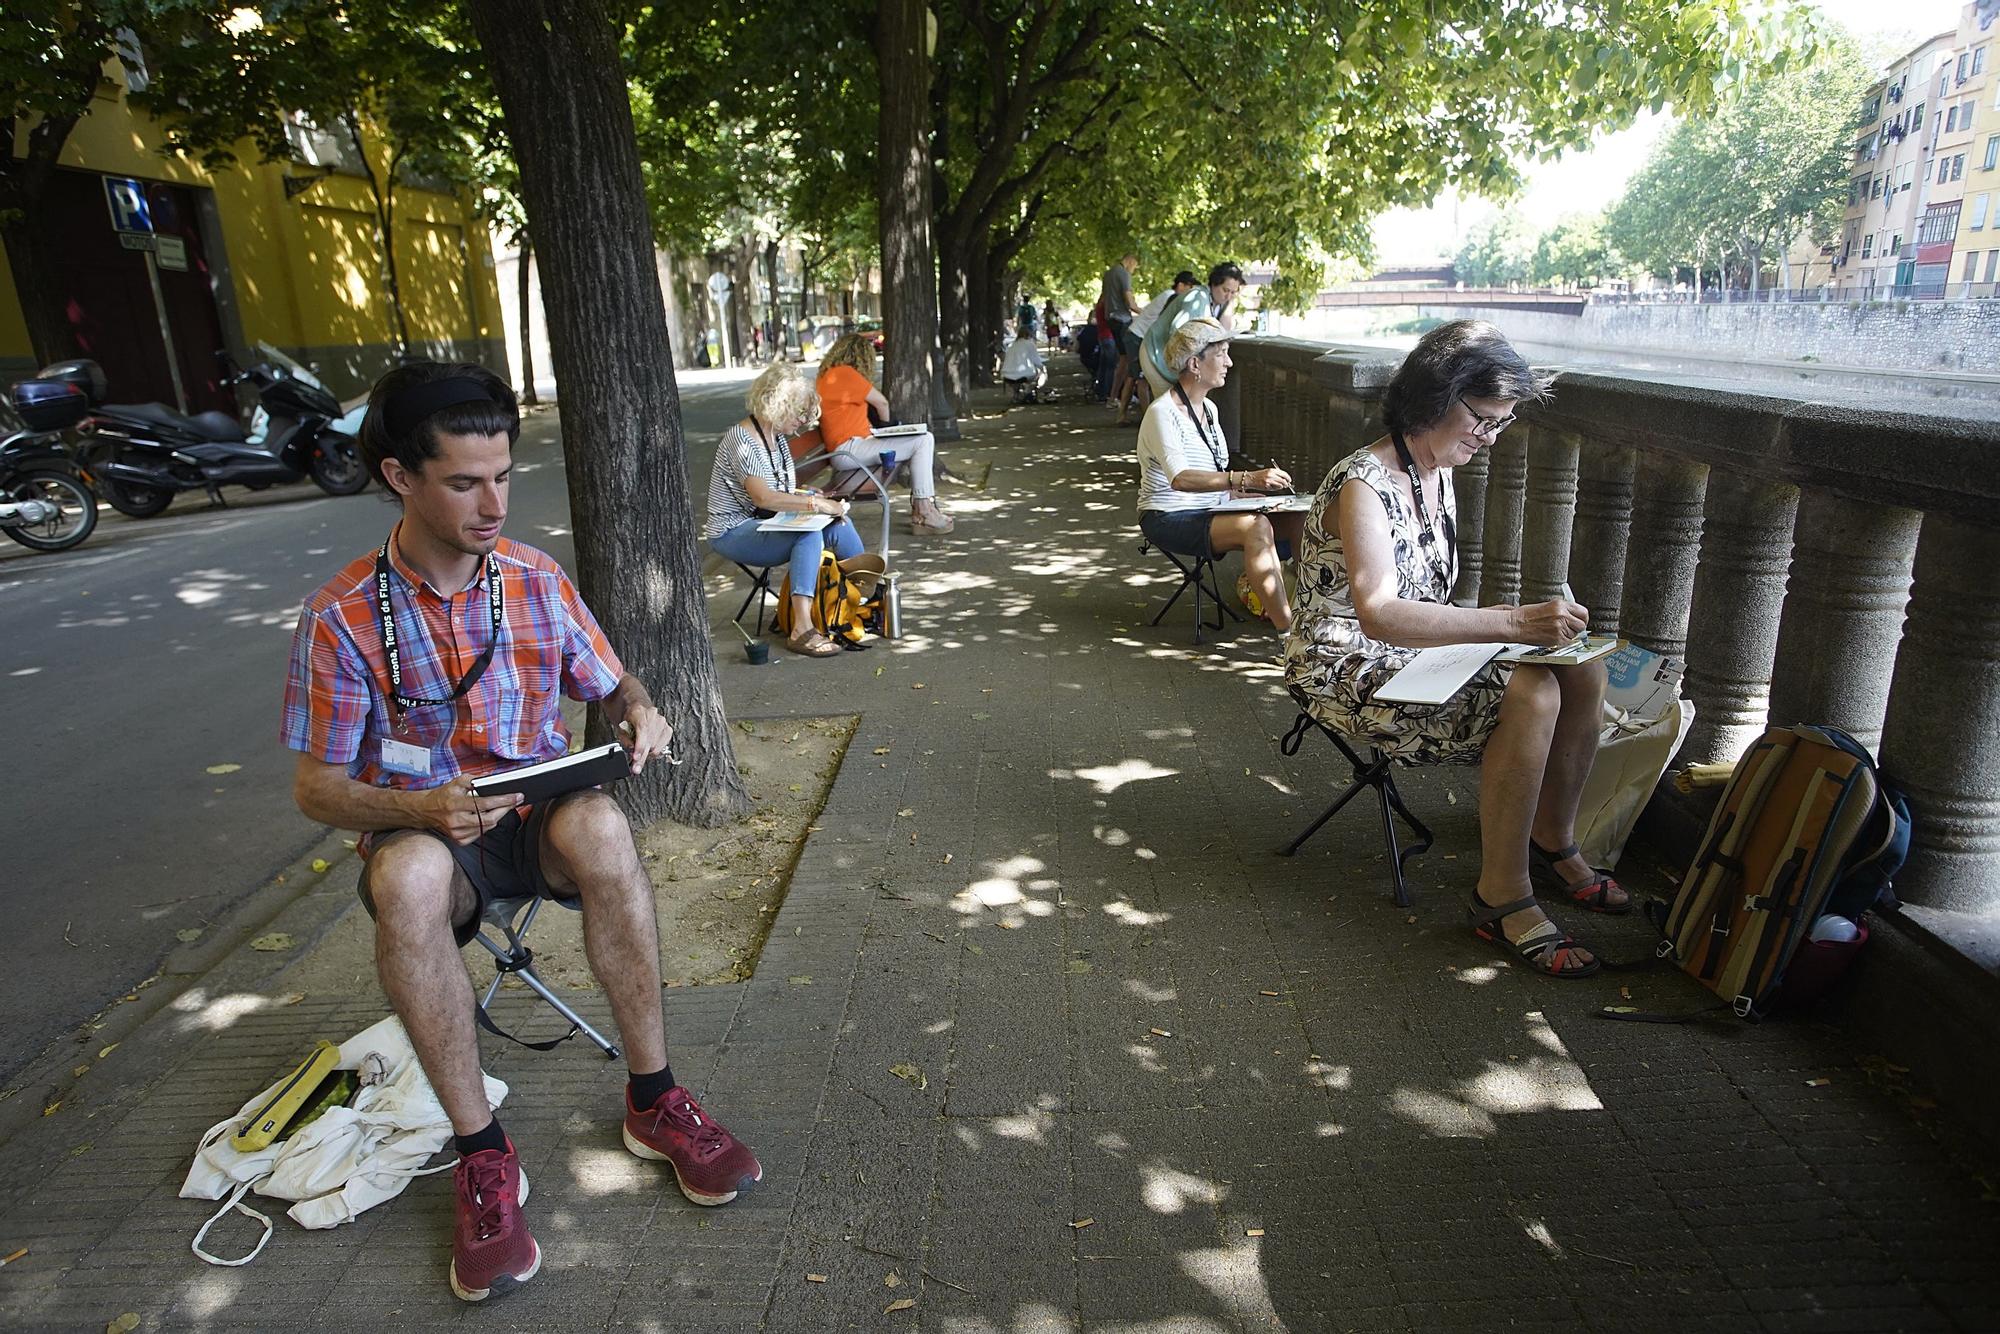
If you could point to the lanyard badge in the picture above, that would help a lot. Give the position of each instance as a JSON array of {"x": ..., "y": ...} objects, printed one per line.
[
  {"x": 385, "y": 613},
  {"x": 1445, "y": 568}
]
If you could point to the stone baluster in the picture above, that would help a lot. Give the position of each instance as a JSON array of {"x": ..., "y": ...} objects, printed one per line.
[
  {"x": 1941, "y": 738},
  {"x": 1506, "y": 490},
  {"x": 1661, "y": 552},
  {"x": 1469, "y": 485},
  {"x": 1739, "y": 595},
  {"x": 1597, "y": 535},
  {"x": 1843, "y": 614},
  {"x": 1548, "y": 512}
]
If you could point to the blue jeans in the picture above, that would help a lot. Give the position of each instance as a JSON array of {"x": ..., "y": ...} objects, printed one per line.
[
  {"x": 1107, "y": 367},
  {"x": 799, "y": 552}
]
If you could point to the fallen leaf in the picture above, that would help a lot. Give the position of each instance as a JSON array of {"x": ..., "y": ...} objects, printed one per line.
[
  {"x": 124, "y": 1324},
  {"x": 1411, "y": 919},
  {"x": 81, "y": 1150},
  {"x": 188, "y": 933},
  {"x": 947, "y": 859},
  {"x": 906, "y": 813},
  {"x": 815, "y": 1278},
  {"x": 900, "y": 1304},
  {"x": 1079, "y": 965},
  {"x": 911, "y": 1073},
  {"x": 1451, "y": 796},
  {"x": 916, "y": 685},
  {"x": 892, "y": 1280},
  {"x": 223, "y": 768},
  {"x": 1253, "y": 1231},
  {"x": 321, "y": 866},
  {"x": 272, "y": 943},
  {"x": 1082, "y": 1223},
  {"x": 1159, "y": 1032},
  {"x": 79, "y": 1072},
  {"x": 878, "y": 671},
  {"x": 881, "y": 750},
  {"x": 293, "y": 999},
  {"x": 802, "y": 980},
  {"x": 981, "y": 717},
  {"x": 50, "y": 1110},
  {"x": 748, "y": 727},
  {"x": 103, "y": 1052},
  {"x": 973, "y": 949}
]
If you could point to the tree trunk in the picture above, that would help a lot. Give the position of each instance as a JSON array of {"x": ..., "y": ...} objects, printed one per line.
[
  {"x": 555, "y": 64},
  {"x": 772, "y": 317},
  {"x": 984, "y": 279},
  {"x": 524, "y": 264},
  {"x": 33, "y": 265},
  {"x": 909, "y": 275},
  {"x": 384, "y": 195},
  {"x": 956, "y": 295}
]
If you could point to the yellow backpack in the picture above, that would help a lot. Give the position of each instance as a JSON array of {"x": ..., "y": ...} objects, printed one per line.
[{"x": 841, "y": 602}]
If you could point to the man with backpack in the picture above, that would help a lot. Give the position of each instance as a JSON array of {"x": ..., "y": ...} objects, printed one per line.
[{"x": 436, "y": 659}]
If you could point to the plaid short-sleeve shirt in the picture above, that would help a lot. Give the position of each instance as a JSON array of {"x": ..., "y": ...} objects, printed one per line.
[{"x": 337, "y": 693}]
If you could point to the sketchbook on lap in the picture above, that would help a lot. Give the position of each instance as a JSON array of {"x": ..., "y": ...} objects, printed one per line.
[
  {"x": 1275, "y": 504},
  {"x": 1436, "y": 674},
  {"x": 794, "y": 523}
]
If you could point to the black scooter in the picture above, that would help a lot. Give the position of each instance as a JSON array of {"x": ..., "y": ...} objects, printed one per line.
[
  {"x": 45, "y": 500},
  {"x": 142, "y": 454}
]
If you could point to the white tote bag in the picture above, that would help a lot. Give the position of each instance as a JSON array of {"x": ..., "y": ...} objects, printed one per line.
[
  {"x": 1632, "y": 754},
  {"x": 347, "y": 1161}
]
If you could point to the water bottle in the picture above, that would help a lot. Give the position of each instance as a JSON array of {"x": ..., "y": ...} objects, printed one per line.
[
  {"x": 1834, "y": 927},
  {"x": 892, "y": 606}
]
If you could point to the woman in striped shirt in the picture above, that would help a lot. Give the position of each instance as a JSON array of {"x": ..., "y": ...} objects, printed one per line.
[{"x": 754, "y": 479}]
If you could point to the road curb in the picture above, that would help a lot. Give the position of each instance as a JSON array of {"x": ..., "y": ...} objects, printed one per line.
[{"x": 305, "y": 900}]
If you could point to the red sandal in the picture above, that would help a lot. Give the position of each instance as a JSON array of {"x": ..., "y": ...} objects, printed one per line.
[
  {"x": 1594, "y": 893},
  {"x": 1546, "y": 948}
]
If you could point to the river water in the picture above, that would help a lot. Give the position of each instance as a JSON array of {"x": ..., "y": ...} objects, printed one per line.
[{"x": 1893, "y": 390}]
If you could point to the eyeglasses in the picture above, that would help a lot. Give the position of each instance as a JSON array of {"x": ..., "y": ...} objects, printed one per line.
[{"x": 1486, "y": 426}]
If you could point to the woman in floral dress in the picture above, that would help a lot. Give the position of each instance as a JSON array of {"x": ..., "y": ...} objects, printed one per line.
[{"x": 1378, "y": 562}]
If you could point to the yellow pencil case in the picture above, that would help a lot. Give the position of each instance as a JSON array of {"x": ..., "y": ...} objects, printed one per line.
[{"x": 271, "y": 1121}]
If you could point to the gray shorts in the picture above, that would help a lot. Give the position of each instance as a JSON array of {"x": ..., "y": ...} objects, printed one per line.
[{"x": 503, "y": 863}]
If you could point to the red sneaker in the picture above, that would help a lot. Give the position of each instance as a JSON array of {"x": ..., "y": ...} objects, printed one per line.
[
  {"x": 491, "y": 1250},
  {"x": 711, "y": 1167}
]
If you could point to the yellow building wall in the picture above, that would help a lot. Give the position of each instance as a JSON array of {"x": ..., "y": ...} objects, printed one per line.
[{"x": 307, "y": 272}]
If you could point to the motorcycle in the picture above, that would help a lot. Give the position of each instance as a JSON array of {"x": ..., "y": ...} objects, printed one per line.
[
  {"x": 45, "y": 501},
  {"x": 143, "y": 454}
]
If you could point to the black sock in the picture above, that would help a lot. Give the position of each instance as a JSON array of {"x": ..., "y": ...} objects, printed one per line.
[
  {"x": 481, "y": 1140},
  {"x": 645, "y": 1090}
]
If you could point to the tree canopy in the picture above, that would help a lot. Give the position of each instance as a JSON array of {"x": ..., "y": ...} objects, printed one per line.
[{"x": 1768, "y": 165}]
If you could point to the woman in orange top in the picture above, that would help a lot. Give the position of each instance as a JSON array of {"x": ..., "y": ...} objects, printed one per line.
[{"x": 846, "y": 392}]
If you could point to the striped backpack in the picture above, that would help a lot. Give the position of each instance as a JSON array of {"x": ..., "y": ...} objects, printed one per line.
[{"x": 1806, "y": 827}]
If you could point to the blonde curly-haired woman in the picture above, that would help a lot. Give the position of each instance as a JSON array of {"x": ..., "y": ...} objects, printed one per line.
[
  {"x": 754, "y": 479},
  {"x": 846, "y": 392}
]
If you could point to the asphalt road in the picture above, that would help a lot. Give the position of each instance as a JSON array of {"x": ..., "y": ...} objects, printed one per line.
[{"x": 132, "y": 668}]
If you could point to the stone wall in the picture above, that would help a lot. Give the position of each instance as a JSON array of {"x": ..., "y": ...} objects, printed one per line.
[{"x": 1948, "y": 336}]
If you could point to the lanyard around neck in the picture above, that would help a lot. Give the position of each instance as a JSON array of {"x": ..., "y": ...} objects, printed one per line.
[
  {"x": 385, "y": 613},
  {"x": 1220, "y": 456},
  {"x": 781, "y": 472},
  {"x": 1446, "y": 568}
]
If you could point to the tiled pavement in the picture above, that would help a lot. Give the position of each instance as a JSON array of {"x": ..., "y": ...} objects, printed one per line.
[{"x": 1153, "y": 1076}]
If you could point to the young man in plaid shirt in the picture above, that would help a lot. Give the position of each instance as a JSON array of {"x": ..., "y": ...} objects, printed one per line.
[{"x": 436, "y": 659}]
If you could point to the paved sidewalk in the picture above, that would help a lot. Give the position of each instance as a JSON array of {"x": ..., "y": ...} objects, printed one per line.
[{"x": 1067, "y": 1046}]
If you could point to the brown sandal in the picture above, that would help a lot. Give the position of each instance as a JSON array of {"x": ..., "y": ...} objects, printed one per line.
[
  {"x": 1593, "y": 893},
  {"x": 1546, "y": 948},
  {"x": 813, "y": 644}
]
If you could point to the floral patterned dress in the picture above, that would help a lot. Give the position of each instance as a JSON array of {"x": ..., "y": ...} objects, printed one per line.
[{"x": 1338, "y": 668}]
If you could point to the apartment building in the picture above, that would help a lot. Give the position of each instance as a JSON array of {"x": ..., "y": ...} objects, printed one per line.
[
  {"x": 1890, "y": 188},
  {"x": 1975, "y": 264}
]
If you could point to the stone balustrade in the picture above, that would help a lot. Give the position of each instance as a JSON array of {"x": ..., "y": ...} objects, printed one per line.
[{"x": 1811, "y": 562}]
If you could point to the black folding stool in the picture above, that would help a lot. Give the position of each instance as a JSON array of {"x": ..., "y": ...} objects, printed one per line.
[
  {"x": 760, "y": 591},
  {"x": 1377, "y": 771},
  {"x": 510, "y": 919},
  {"x": 1197, "y": 572}
]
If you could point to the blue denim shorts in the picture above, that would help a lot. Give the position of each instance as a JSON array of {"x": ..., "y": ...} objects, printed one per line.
[{"x": 1183, "y": 532}]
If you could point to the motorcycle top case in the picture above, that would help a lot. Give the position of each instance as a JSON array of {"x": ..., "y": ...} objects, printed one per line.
[{"x": 48, "y": 405}]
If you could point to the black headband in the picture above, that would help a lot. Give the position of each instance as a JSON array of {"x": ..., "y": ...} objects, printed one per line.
[{"x": 407, "y": 409}]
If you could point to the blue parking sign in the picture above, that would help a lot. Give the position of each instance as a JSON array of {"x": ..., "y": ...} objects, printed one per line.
[{"x": 127, "y": 198}]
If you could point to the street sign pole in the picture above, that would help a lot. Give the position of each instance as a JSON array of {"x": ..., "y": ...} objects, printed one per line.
[
  {"x": 132, "y": 219},
  {"x": 166, "y": 332}
]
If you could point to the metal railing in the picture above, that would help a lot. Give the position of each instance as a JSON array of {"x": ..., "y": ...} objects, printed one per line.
[{"x": 1810, "y": 562}]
